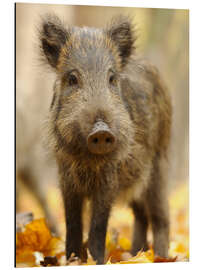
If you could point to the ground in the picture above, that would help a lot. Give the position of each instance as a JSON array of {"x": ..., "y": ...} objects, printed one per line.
[{"x": 36, "y": 246}]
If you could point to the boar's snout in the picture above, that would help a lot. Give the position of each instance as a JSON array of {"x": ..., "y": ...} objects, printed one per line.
[{"x": 101, "y": 140}]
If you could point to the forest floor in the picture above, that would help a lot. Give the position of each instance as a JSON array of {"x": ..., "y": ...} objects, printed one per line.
[{"x": 36, "y": 246}]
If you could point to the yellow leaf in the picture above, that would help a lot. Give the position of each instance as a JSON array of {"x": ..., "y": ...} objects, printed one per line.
[
  {"x": 109, "y": 261},
  {"x": 178, "y": 248},
  {"x": 110, "y": 245},
  {"x": 124, "y": 243},
  {"x": 141, "y": 257}
]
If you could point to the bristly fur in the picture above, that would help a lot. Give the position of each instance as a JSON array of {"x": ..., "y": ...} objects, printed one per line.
[
  {"x": 52, "y": 34},
  {"x": 99, "y": 79},
  {"x": 122, "y": 31}
]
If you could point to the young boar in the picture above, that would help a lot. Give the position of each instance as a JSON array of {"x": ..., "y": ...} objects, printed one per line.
[{"x": 109, "y": 127}]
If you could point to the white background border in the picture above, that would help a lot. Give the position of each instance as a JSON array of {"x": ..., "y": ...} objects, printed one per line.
[{"x": 196, "y": 130}]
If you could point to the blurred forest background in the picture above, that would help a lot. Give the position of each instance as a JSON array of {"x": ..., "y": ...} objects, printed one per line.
[{"x": 163, "y": 38}]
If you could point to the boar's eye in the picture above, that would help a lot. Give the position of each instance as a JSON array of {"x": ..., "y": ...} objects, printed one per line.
[
  {"x": 72, "y": 80},
  {"x": 112, "y": 79}
]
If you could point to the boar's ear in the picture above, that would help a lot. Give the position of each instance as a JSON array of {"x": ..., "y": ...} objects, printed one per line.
[
  {"x": 53, "y": 36},
  {"x": 122, "y": 32}
]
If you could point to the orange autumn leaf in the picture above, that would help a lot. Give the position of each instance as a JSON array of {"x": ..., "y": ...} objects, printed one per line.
[
  {"x": 25, "y": 257},
  {"x": 35, "y": 237},
  {"x": 158, "y": 259},
  {"x": 115, "y": 255}
]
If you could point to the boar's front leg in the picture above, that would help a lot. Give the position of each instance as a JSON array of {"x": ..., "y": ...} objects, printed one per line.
[
  {"x": 98, "y": 228},
  {"x": 73, "y": 215}
]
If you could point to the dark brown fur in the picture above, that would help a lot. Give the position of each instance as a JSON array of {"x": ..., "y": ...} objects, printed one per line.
[{"x": 99, "y": 78}]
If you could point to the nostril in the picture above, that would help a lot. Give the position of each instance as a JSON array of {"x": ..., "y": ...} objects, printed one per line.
[
  {"x": 108, "y": 140},
  {"x": 95, "y": 140}
]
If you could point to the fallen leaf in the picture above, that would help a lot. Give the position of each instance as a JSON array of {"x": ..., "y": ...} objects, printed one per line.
[
  {"x": 36, "y": 236},
  {"x": 124, "y": 243},
  {"x": 158, "y": 259},
  {"x": 141, "y": 257}
]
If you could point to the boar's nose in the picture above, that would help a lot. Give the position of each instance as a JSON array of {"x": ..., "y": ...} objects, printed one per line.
[{"x": 101, "y": 140}]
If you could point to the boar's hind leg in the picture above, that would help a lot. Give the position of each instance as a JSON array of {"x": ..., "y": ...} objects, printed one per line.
[
  {"x": 36, "y": 187},
  {"x": 140, "y": 227},
  {"x": 73, "y": 214},
  {"x": 158, "y": 209}
]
